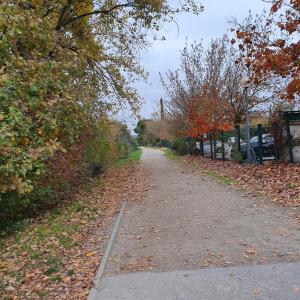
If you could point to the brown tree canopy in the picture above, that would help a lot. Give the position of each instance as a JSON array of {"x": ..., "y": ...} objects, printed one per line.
[
  {"x": 271, "y": 47},
  {"x": 213, "y": 76}
]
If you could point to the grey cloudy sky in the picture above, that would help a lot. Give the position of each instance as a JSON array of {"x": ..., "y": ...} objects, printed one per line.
[{"x": 164, "y": 55}]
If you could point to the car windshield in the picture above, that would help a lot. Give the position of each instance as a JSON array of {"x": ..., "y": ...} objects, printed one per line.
[{"x": 254, "y": 139}]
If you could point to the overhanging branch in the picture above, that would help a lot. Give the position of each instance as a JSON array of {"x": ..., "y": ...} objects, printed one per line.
[{"x": 95, "y": 12}]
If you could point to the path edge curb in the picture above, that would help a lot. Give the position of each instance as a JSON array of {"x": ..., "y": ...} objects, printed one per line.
[{"x": 100, "y": 271}]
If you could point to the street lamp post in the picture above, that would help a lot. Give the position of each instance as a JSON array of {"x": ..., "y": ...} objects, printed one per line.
[{"x": 246, "y": 84}]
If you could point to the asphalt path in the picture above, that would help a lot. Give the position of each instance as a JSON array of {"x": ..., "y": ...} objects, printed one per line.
[{"x": 193, "y": 238}]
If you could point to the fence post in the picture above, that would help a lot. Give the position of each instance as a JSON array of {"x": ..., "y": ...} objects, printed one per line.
[
  {"x": 290, "y": 139},
  {"x": 215, "y": 149},
  {"x": 211, "y": 146},
  {"x": 260, "y": 144},
  {"x": 223, "y": 148},
  {"x": 238, "y": 131},
  {"x": 201, "y": 147}
]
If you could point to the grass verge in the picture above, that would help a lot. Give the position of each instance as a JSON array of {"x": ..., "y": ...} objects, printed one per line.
[
  {"x": 134, "y": 156},
  {"x": 57, "y": 255},
  {"x": 40, "y": 245},
  {"x": 170, "y": 154},
  {"x": 220, "y": 178}
]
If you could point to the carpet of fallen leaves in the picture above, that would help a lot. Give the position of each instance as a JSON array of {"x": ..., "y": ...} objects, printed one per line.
[
  {"x": 278, "y": 181},
  {"x": 57, "y": 256}
]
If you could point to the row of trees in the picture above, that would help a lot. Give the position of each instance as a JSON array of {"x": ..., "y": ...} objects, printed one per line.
[
  {"x": 64, "y": 67},
  {"x": 205, "y": 94}
]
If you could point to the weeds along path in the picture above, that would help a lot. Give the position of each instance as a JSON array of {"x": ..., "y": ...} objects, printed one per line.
[{"x": 189, "y": 222}]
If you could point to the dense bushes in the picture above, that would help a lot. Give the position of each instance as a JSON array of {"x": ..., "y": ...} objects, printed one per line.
[
  {"x": 180, "y": 146},
  {"x": 51, "y": 96},
  {"x": 110, "y": 141},
  {"x": 63, "y": 65},
  {"x": 62, "y": 174},
  {"x": 102, "y": 150},
  {"x": 36, "y": 114},
  {"x": 155, "y": 133},
  {"x": 66, "y": 171}
]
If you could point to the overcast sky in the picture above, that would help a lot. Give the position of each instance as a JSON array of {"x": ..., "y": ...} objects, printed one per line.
[{"x": 164, "y": 55}]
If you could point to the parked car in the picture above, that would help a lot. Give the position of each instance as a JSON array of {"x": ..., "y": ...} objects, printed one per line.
[
  {"x": 232, "y": 140},
  {"x": 267, "y": 144},
  {"x": 207, "y": 149}
]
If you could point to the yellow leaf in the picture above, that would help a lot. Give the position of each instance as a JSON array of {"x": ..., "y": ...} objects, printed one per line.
[
  {"x": 89, "y": 254},
  {"x": 67, "y": 279}
]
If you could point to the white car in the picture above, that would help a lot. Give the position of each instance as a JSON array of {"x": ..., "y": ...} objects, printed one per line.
[{"x": 228, "y": 146}]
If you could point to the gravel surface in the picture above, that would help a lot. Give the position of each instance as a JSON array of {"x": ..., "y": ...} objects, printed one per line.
[{"x": 188, "y": 221}]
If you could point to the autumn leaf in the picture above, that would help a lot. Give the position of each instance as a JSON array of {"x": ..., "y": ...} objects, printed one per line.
[{"x": 59, "y": 254}]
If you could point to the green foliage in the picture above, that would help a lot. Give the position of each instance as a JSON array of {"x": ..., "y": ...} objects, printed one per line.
[
  {"x": 140, "y": 131},
  {"x": 151, "y": 140},
  {"x": 63, "y": 65},
  {"x": 153, "y": 132},
  {"x": 237, "y": 156},
  {"x": 111, "y": 142},
  {"x": 180, "y": 146},
  {"x": 291, "y": 186},
  {"x": 14, "y": 205},
  {"x": 165, "y": 143},
  {"x": 222, "y": 179},
  {"x": 36, "y": 114},
  {"x": 102, "y": 149},
  {"x": 170, "y": 154},
  {"x": 126, "y": 143},
  {"x": 133, "y": 156}
]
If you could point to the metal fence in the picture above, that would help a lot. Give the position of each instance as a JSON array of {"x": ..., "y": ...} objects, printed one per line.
[{"x": 264, "y": 144}]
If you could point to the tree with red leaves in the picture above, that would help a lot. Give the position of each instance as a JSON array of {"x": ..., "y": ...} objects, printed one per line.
[
  {"x": 207, "y": 114},
  {"x": 271, "y": 47}
]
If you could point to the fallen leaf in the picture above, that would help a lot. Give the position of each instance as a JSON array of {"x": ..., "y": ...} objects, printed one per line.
[
  {"x": 250, "y": 252},
  {"x": 255, "y": 291}
]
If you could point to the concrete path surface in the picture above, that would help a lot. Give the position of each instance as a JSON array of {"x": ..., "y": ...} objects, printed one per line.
[
  {"x": 230, "y": 245},
  {"x": 277, "y": 282}
]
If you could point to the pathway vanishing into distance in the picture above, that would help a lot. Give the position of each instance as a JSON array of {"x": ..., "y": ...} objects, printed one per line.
[{"x": 193, "y": 238}]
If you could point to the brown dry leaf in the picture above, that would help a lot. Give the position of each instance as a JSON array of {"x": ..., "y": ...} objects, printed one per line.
[
  {"x": 255, "y": 291},
  {"x": 74, "y": 254},
  {"x": 138, "y": 237},
  {"x": 67, "y": 279},
  {"x": 278, "y": 181},
  {"x": 250, "y": 252}
]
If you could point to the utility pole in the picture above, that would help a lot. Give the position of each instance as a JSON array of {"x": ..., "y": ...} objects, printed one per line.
[
  {"x": 162, "y": 109},
  {"x": 246, "y": 83}
]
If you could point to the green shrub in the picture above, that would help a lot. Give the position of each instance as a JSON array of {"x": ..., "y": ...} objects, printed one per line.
[
  {"x": 133, "y": 157},
  {"x": 237, "y": 155},
  {"x": 66, "y": 171},
  {"x": 110, "y": 142},
  {"x": 14, "y": 206},
  {"x": 123, "y": 150},
  {"x": 180, "y": 146},
  {"x": 102, "y": 150}
]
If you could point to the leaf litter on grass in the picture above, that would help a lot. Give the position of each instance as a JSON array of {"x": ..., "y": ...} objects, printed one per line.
[
  {"x": 57, "y": 256},
  {"x": 278, "y": 181}
]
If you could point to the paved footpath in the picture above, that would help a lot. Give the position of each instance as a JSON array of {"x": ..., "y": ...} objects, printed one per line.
[{"x": 193, "y": 238}]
